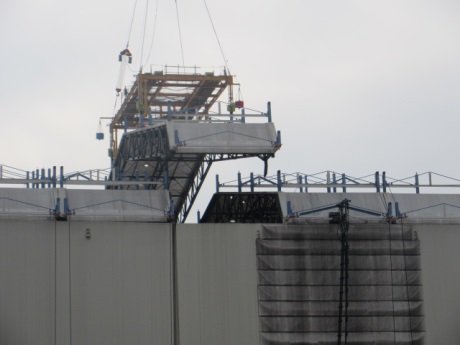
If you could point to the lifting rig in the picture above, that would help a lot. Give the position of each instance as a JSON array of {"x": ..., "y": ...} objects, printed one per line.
[
  {"x": 160, "y": 112},
  {"x": 154, "y": 96}
]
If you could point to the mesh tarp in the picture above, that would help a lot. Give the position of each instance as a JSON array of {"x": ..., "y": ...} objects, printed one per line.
[{"x": 299, "y": 282}]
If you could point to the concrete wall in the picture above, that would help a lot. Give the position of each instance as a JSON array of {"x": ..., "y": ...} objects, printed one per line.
[{"x": 120, "y": 286}]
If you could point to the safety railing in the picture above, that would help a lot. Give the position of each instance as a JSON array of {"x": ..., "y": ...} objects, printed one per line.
[{"x": 333, "y": 182}]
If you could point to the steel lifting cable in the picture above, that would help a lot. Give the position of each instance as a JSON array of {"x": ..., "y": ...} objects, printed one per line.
[
  {"x": 217, "y": 38},
  {"x": 154, "y": 31},
  {"x": 143, "y": 34},
  {"x": 180, "y": 35},
  {"x": 131, "y": 26}
]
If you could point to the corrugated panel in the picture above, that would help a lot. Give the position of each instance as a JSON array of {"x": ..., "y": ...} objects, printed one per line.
[
  {"x": 27, "y": 282},
  {"x": 217, "y": 284}
]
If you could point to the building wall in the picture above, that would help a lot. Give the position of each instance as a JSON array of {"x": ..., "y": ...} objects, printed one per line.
[
  {"x": 441, "y": 281},
  {"x": 123, "y": 285}
]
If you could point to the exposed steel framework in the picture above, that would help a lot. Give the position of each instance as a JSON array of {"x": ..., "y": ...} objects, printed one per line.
[{"x": 155, "y": 95}]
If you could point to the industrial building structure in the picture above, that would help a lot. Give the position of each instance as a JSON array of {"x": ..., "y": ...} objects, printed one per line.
[{"x": 117, "y": 266}]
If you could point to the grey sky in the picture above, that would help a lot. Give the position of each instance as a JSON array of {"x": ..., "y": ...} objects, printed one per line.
[{"x": 356, "y": 86}]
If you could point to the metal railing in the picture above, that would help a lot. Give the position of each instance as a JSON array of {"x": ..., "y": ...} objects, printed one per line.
[
  {"x": 50, "y": 178},
  {"x": 333, "y": 182}
]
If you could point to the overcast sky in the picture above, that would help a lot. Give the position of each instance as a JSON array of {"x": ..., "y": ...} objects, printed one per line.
[{"x": 355, "y": 86}]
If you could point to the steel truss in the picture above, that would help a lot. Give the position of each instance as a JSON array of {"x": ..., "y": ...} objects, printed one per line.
[
  {"x": 243, "y": 208},
  {"x": 145, "y": 156}
]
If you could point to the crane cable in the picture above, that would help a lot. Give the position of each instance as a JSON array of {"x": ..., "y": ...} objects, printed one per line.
[
  {"x": 180, "y": 35},
  {"x": 154, "y": 31},
  {"x": 131, "y": 26},
  {"x": 143, "y": 34},
  {"x": 217, "y": 37}
]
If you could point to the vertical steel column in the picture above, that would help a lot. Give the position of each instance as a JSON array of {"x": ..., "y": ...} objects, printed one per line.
[
  {"x": 299, "y": 181},
  {"x": 252, "y": 182},
  {"x": 306, "y": 182},
  {"x": 217, "y": 183},
  {"x": 328, "y": 181},
  {"x": 417, "y": 189}
]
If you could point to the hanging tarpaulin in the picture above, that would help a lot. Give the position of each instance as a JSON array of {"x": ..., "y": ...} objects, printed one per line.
[{"x": 124, "y": 57}]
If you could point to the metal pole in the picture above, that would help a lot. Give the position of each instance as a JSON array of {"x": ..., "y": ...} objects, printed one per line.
[
  {"x": 61, "y": 179},
  {"x": 417, "y": 189},
  {"x": 377, "y": 182},
  {"x": 344, "y": 180},
  {"x": 328, "y": 178},
  {"x": 269, "y": 111},
  {"x": 252, "y": 182},
  {"x": 239, "y": 182},
  {"x": 279, "y": 180},
  {"x": 384, "y": 182},
  {"x": 217, "y": 183},
  {"x": 334, "y": 181}
]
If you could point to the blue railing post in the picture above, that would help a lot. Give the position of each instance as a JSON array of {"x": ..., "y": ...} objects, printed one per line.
[
  {"x": 49, "y": 178},
  {"x": 397, "y": 211},
  {"x": 390, "y": 210},
  {"x": 217, "y": 183},
  {"x": 306, "y": 182},
  {"x": 417, "y": 189},
  {"x": 334, "y": 182},
  {"x": 344, "y": 182},
  {"x": 328, "y": 180},
  {"x": 384, "y": 182},
  {"x": 252, "y": 182},
  {"x": 61, "y": 178},
  {"x": 27, "y": 178},
  {"x": 299, "y": 181},
  {"x": 278, "y": 138},
  {"x": 278, "y": 178},
  {"x": 377, "y": 181},
  {"x": 54, "y": 176},
  {"x": 269, "y": 111},
  {"x": 239, "y": 182}
]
